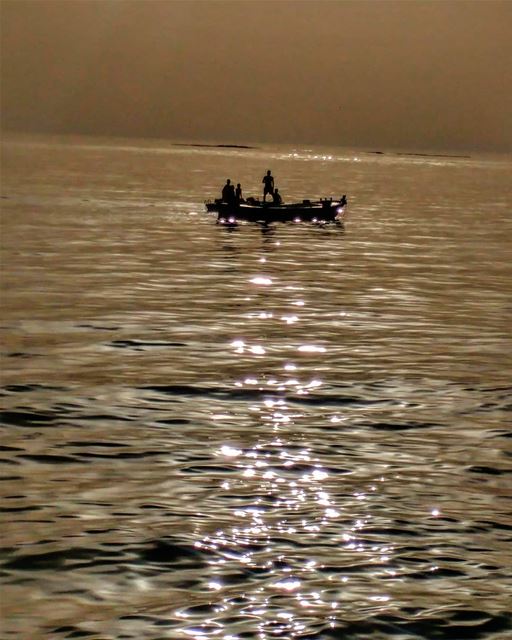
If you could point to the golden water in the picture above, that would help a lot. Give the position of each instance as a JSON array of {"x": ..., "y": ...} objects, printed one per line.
[{"x": 283, "y": 432}]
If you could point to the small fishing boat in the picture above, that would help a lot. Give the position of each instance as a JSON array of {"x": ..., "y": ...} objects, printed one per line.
[{"x": 252, "y": 210}]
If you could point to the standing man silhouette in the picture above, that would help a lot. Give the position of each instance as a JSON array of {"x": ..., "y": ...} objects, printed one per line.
[
  {"x": 268, "y": 185},
  {"x": 228, "y": 192}
]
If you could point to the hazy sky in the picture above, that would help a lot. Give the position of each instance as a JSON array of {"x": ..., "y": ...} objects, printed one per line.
[{"x": 373, "y": 73}]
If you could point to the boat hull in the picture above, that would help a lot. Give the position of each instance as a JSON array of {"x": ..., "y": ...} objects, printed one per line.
[{"x": 318, "y": 212}]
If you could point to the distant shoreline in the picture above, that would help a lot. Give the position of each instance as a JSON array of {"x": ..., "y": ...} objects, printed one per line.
[
  {"x": 396, "y": 153},
  {"x": 222, "y": 146},
  {"x": 422, "y": 155}
]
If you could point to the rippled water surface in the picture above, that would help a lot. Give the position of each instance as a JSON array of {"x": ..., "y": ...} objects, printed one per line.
[{"x": 282, "y": 432}]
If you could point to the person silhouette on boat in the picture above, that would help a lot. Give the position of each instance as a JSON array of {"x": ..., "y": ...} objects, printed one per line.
[
  {"x": 268, "y": 185},
  {"x": 238, "y": 194},
  {"x": 228, "y": 192},
  {"x": 276, "y": 197}
]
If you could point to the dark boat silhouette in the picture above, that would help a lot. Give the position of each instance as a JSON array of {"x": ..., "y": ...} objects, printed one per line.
[{"x": 252, "y": 210}]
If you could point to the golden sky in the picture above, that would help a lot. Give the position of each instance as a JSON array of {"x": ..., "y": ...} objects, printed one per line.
[{"x": 378, "y": 74}]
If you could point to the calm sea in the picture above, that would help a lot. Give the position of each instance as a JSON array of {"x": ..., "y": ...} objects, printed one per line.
[{"x": 283, "y": 432}]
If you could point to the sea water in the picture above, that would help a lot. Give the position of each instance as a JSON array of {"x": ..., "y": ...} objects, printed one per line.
[{"x": 282, "y": 431}]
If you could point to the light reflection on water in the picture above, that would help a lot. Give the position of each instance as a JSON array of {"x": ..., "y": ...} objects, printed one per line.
[{"x": 271, "y": 432}]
